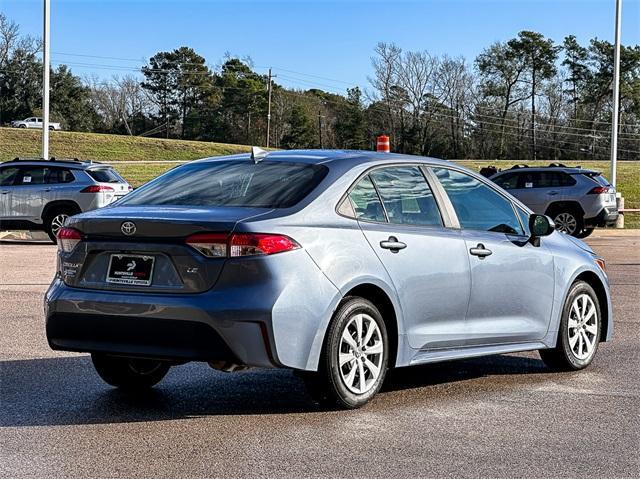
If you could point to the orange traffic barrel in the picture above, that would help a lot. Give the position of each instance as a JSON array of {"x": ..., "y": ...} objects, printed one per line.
[{"x": 383, "y": 144}]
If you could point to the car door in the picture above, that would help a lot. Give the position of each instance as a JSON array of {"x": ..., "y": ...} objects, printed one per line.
[
  {"x": 27, "y": 196},
  {"x": 8, "y": 175},
  {"x": 512, "y": 281},
  {"x": 425, "y": 259}
]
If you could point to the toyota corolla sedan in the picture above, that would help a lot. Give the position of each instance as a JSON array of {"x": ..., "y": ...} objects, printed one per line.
[{"x": 336, "y": 264}]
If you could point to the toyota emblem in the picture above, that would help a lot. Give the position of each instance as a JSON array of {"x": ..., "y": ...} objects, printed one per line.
[{"x": 128, "y": 228}]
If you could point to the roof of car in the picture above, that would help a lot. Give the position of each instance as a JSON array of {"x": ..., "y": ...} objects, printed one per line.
[
  {"x": 67, "y": 162},
  {"x": 332, "y": 156},
  {"x": 571, "y": 170}
]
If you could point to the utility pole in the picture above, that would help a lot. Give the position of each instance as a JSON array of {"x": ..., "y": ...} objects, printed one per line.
[
  {"x": 269, "y": 110},
  {"x": 320, "y": 125},
  {"x": 616, "y": 96},
  {"x": 45, "y": 80}
]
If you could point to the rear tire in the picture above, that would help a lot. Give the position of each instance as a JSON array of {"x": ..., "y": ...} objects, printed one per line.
[
  {"x": 55, "y": 220},
  {"x": 569, "y": 221},
  {"x": 129, "y": 373},
  {"x": 354, "y": 358},
  {"x": 585, "y": 233},
  {"x": 579, "y": 332}
]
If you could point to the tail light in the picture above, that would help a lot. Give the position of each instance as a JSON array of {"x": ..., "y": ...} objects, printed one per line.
[
  {"x": 215, "y": 245},
  {"x": 598, "y": 190},
  {"x": 96, "y": 189},
  {"x": 68, "y": 238}
]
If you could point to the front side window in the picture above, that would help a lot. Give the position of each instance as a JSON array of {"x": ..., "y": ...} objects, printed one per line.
[
  {"x": 241, "y": 183},
  {"x": 478, "y": 206},
  {"x": 8, "y": 176},
  {"x": 366, "y": 202},
  {"x": 406, "y": 196},
  {"x": 508, "y": 181},
  {"x": 32, "y": 176}
]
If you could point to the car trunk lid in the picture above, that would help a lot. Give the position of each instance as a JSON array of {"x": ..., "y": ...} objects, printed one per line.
[{"x": 143, "y": 249}]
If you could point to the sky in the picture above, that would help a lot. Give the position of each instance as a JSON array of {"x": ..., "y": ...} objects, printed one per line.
[{"x": 309, "y": 44}]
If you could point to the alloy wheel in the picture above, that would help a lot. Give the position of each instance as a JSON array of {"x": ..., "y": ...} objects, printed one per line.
[
  {"x": 58, "y": 222},
  {"x": 566, "y": 223},
  {"x": 582, "y": 326},
  {"x": 360, "y": 354}
]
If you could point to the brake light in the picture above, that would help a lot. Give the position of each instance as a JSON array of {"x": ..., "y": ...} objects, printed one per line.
[
  {"x": 217, "y": 245},
  {"x": 249, "y": 244},
  {"x": 96, "y": 189},
  {"x": 598, "y": 190},
  {"x": 68, "y": 238}
]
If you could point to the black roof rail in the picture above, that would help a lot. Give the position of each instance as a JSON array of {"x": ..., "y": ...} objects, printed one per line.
[
  {"x": 519, "y": 165},
  {"x": 19, "y": 158},
  {"x": 53, "y": 158}
]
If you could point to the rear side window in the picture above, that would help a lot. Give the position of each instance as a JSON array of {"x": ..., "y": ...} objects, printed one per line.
[
  {"x": 406, "y": 196},
  {"x": 58, "y": 175},
  {"x": 366, "y": 202},
  {"x": 478, "y": 206},
  {"x": 231, "y": 183},
  {"x": 545, "y": 179},
  {"x": 104, "y": 175}
]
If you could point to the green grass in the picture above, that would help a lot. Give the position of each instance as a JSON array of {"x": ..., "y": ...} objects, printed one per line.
[{"x": 93, "y": 146}]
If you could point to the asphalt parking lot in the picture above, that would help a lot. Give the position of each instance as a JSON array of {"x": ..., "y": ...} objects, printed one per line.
[{"x": 504, "y": 416}]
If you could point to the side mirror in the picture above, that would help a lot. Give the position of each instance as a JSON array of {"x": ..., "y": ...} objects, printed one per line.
[{"x": 540, "y": 225}]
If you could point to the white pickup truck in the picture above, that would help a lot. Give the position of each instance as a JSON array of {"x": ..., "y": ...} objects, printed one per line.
[{"x": 34, "y": 122}]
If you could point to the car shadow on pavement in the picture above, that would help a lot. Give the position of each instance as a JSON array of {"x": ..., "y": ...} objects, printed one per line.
[{"x": 66, "y": 390}]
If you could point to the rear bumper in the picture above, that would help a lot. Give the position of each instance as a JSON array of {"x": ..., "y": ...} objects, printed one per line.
[
  {"x": 265, "y": 312},
  {"x": 606, "y": 217},
  {"x": 173, "y": 327}
]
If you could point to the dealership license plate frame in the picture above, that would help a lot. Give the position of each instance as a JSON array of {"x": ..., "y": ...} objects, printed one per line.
[{"x": 130, "y": 281}]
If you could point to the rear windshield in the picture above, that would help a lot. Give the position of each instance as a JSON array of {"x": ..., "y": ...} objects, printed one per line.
[
  {"x": 104, "y": 175},
  {"x": 231, "y": 183},
  {"x": 598, "y": 178}
]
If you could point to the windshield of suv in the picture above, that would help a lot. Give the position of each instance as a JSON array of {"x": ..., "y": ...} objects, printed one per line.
[{"x": 230, "y": 183}]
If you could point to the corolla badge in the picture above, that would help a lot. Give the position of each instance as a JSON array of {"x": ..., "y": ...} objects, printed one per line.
[{"x": 128, "y": 228}]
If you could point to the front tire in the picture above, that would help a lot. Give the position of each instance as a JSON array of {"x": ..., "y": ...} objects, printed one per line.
[
  {"x": 579, "y": 332},
  {"x": 354, "y": 359},
  {"x": 129, "y": 373},
  {"x": 569, "y": 221}
]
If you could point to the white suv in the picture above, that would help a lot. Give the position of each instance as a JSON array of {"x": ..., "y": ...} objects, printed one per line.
[{"x": 42, "y": 194}]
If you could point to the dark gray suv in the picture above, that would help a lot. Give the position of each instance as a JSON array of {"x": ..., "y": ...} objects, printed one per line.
[
  {"x": 37, "y": 194},
  {"x": 577, "y": 199}
]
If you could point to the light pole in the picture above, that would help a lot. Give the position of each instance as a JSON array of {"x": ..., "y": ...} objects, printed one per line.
[
  {"x": 616, "y": 96},
  {"x": 45, "y": 81}
]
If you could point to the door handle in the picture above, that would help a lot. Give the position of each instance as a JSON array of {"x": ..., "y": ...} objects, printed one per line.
[
  {"x": 5, "y": 192},
  {"x": 552, "y": 193},
  {"x": 480, "y": 251},
  {"x": 393, "y": 244}
]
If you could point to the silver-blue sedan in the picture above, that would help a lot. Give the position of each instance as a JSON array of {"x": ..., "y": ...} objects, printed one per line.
[{"x": 336, "y": 264}]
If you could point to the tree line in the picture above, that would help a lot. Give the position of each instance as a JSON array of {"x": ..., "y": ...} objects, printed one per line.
[{"x": 523, "y": 99}]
